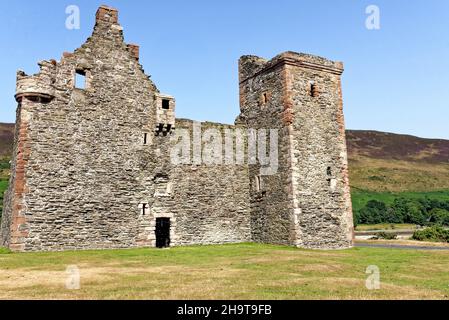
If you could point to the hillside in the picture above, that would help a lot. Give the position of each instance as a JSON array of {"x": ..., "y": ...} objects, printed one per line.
[
  {"x": 6, "y": 143},
  {"x": 6, "y": 139},
  {"x": 390, "y": 146},
  {"x": 383, "y": 162}
]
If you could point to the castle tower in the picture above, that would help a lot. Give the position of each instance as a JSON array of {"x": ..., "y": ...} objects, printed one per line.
[
  {"x": 32, "y": 93},
  {"x": 307, "y": 201}
]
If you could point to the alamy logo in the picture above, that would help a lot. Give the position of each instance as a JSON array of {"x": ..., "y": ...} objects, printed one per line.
[
  {"x": 73, "y": 20},
  {"x": 206, "y": 147},
  {"x": 73, "y": 280},
  {"x": 372, "y": 22},
  {"x": 373, "y": 280}
]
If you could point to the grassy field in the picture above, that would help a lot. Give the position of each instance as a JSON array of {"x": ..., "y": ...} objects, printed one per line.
[
  {"x": 385, "y": 226},
  {"x": 244, "y": 271}
]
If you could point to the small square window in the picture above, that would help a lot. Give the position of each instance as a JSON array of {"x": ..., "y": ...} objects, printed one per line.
[
  {"x": 80, "y": 79},
  {"x": 165, "y": 104}
]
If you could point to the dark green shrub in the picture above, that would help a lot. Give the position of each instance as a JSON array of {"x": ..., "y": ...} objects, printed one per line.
[
  {"x": 4, "y": 165},
  {"x": 356, "y": 218},
  {"x": 439, "y": 216},
  {"x": 374, "y": 212},
  {"x": 432, "y": 234},
  {"x": 423, "y": 212},
  {"x": 385, "y": 236}
]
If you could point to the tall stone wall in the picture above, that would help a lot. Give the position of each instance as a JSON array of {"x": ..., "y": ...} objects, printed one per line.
[
  {"x": 211, "y": 200},
  {"x": 320, "y": 170},
  {"x": 207, "y": 203}
]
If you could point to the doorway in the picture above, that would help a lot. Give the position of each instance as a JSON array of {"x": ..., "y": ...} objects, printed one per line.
[{"x": 162, "y": 232}]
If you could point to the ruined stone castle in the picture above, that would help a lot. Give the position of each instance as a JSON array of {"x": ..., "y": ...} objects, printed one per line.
[{"x": 92, "y": 167}]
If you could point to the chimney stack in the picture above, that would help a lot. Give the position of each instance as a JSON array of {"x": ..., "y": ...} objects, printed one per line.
[{"x": 107, "y": 14}]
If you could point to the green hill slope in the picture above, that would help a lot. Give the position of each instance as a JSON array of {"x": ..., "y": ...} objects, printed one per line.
[
  {"x": 409, "y": 175},
  {"x": 386, "y": 162}
]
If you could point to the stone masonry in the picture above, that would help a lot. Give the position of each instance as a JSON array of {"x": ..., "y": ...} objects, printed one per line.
[{"x": 92, "y": 162}]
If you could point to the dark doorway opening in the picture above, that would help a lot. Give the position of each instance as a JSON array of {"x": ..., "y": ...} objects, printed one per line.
[{"x": 162, "y": 232}]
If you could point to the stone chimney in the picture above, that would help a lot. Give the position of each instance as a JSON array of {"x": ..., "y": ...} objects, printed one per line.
[
  {"x": 134, "y": 49},
  {"x": 107, "y": 14}
]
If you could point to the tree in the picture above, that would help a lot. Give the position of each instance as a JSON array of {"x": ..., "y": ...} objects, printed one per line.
[
  {"x": 439, "y": 216},
  {"x": 374, "y": 212}
]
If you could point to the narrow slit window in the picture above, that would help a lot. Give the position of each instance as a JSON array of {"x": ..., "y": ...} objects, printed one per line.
[
  {"x": 257, "y": 183},
  {"x": 145, "y": 138},
  {"x": 80, "y": 79},
  {"x": 165, "y": 104},
  {"x": 144, "y": 209},
  {"x": 264, "y": 98},
  {"x": 313, "y": 90}
]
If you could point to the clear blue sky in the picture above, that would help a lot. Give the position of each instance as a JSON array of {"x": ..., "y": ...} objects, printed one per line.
[{"x": 396, "y": 78}]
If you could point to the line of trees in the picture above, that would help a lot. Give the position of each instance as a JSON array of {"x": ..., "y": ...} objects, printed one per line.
[{"x": 423, "y": 212}]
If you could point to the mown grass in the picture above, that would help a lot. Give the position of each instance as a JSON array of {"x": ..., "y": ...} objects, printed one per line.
[{"x": 243, "y": 271}]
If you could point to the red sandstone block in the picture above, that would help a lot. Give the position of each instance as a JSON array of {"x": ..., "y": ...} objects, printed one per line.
[
  {"x": 134, "y": 49},
  {"x": 287, "y": 117},
  {"x": 107, "y": 14},
  {"x": 19, "y": 219}
]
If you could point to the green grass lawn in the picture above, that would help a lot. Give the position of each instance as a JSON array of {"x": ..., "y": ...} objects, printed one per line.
[{"x": 243, "y": 271}]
